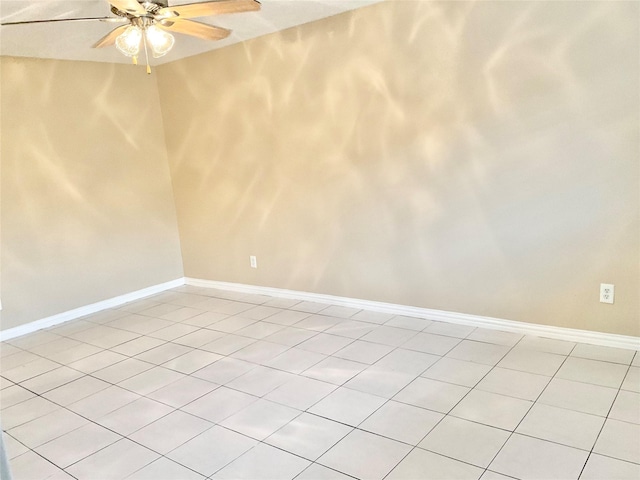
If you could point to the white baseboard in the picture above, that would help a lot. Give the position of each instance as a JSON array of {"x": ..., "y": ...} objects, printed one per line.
[
  {"x": 59, "y": 318},
  {"x": 560, "y": 333}
]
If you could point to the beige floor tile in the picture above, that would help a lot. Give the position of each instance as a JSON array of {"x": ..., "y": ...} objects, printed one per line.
[
  {"x": 183, "y": 427},
  {"x": 259, "y": 330},
  {"x": 228, "y": 344},
  {"x": 199, "y": 338},
  {"x": 260, "y": 381},
  {"x": 559, "y": 425},
  {"x": 478, "y": 352},
  {"x": 619, "y": 440},
  {"x": 334, "y": 370},
  {"x": 496, "y": 337},
  {"x": 632, "y": 380},
  {"x": 122, "y": 370},
  {"x": 532, "y": 459},
  {"x": 150, "y": 380},
  {"x": 75, "y": 390},
  {"x": 605, "y": 354},
  {"x": 423, "y": 464},
  {"x": 432, "y": 394},
  {"x": 137, "y": 346},
  {"x": 119, "y": 459},
  {"x": 582, "y": 397},
  {"x": 219, "y": 404},
  {"x": 13, "y": 395},
  {"x": 13, "y": 447},
  {"x": 224, "y": 370},
  {"x": 103, "y": 402},
  {"x": 599, "y": 467},
  {"x": 449, "y": 329},
  {"x": 173, "y": 332},
  {"x": 295, "y": 360},
  {"x": 431, "y": 343},
  {"x": 363, "y": 352},
  {"x": 401, "y": 422},
  {"x": 391, "y": 336},
  {"x": 263, "y": 462},
  {"x": 605, "y": 374},
  {"x": 325, "y": 343},
  {"x": 380, "y": 381},
  {"x": 260, "y": 419},
  {"x": 347, "y": 406},
  {"x": 192, "y": 361},
  {"x": 163, "y": 353},
  {"x": 532, "y": 361},
  {"x": 182, "y": 392},
  {"x": 134, "y": 416},
  {"x": 33, "y": 467},
  {"x": 318, "y": 323},
  {"x": 458, "y": 372},
  {"x": 48, "y": 427},
  {"x": 548, "y": 345},
  {"x": 301, "y": 392},
  {"x": 513, "y": 383},
  {"x": 376, "y": 455},
  {"x": 97, "y": 361},
  {"x": 260, "y": 352},
  {"x": 78, "y": 444},
  {"x": 26, "y": 411},
  {"x": 466, "y": 441},
  {"x": 290, "y": 336},
  {"x": 351, "y": 328},
  {"x": 407, "y": 361},
  {"x": 626, "y": 407},
  {"x": 232, "y": 324},
  {"x": 308, "y": 436},
  {"x": 492, "y": 409},
  {"x": 30, "y": 369},
  {"x": 212, "y": 450},
  {"x": 319, "y": 472},
  {"x": 409, "y": 323},
  {"x": 164, "y": 468}
]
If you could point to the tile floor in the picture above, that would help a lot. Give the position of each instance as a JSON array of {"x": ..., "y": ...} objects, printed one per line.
[{"x": 199, "y": 383}]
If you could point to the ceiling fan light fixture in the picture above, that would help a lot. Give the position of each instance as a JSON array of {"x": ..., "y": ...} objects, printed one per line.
[
  {"x": 161, "y": 42},
  {"x": 129, "y": 41}
]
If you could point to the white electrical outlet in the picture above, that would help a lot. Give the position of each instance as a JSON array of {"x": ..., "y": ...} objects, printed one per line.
[
  {"x": 253, "y": 261},
  {"x": 606, "y": 293}
]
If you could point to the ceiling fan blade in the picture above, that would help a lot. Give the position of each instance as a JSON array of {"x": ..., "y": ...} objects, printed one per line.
[
  {"x": 204, "y": 9},
  {"x": 102, "y": 19},
  {"x": 110, "y": 38},
  {"x": 129, "y": 6},
  {"x": 195, "y": 29}
]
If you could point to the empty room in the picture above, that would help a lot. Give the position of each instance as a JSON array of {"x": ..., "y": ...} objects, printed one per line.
[{"x": 320, "y": 239}]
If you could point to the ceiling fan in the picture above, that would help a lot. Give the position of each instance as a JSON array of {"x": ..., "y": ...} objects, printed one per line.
[{"x": 149, "y": 24}]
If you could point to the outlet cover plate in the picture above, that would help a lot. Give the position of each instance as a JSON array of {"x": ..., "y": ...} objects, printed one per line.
[{"x": 607, "y": 291}]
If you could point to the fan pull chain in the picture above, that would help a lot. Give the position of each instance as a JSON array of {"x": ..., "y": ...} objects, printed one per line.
[{"x": 146, "y": 52}]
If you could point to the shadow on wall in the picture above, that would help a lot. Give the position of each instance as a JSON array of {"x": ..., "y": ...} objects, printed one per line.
[
  {"x": 478, "y": 157},
  {"x": 87, "y": 210}
]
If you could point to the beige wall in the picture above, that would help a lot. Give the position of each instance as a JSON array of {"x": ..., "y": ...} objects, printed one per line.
[
  {"x": 87, "y": 209},
  {"x": 477, "y": 157}
]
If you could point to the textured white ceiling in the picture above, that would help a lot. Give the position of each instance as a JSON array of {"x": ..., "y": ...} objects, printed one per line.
[{"x": 73, "y": 40}]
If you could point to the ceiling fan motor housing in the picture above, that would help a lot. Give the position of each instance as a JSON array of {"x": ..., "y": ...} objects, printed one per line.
[{"x": 150, "y": 6}]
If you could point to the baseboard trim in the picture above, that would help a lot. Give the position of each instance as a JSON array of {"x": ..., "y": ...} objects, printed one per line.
[
  {"x": 76, "y": 313},
  {"x": 560, "y": 333}
]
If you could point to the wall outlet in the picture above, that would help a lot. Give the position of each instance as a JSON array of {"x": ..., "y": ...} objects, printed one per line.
[
  {"x": 606, "y": 293},
  {"x": 253, "y": 261}
]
